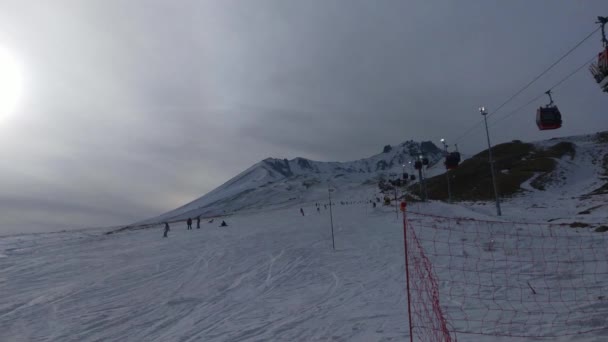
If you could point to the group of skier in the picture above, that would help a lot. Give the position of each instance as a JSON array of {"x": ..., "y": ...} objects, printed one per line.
[
  {"x": 198, "y": 223},
  {"x": 189, "y": 225},
  {"x": 224, "y": 224},
  {"x": 318, "y": 205}
]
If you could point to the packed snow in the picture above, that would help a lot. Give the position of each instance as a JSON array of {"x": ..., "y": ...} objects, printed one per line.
[{"x": 271, "y": 275}]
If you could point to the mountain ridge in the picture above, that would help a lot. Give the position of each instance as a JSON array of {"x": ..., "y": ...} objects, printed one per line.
[{"x": 274, "y": 181}]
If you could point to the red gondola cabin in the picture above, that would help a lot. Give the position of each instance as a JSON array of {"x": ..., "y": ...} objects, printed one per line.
[
  {"x": 600, "y": 69},
  {"x": 548, "y": 118}
]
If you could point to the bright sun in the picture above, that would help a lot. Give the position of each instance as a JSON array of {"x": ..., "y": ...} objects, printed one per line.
[{"x": 11, "y": 83}]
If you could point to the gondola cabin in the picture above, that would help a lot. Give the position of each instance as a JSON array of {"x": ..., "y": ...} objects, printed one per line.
[
  {"x": 548, "y": 118},
  {"x": 452, "y": 160},
  {"x": 425, "y": 161},
  {"x": 412, "y": 177},
  {"x": 418, "y": 165},
  {"x": 600, "y": 69}
]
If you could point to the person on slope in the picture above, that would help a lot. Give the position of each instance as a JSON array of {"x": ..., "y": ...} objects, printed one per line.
[
  {"x": 224, "y": 224},
  {"x": 198, "y": 222},
  {"x": 302, "y": 211},
  {"x": 189, "y": 223},
  {"x": 166, "y": 229}
]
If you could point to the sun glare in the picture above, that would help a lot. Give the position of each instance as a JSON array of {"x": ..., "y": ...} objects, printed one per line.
[{"x": 11, "y": 83}]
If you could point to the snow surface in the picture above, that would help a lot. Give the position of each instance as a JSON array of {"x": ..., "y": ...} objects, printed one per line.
[
  {"x": 271, "y": 275},
  {"x": 267, "y": 277},
  {"x": 567, "y": 196}
]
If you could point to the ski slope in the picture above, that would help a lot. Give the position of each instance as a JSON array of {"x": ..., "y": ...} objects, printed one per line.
[
  {"x": 271, "y": 275},
  {"x": 267, "y": 277}
]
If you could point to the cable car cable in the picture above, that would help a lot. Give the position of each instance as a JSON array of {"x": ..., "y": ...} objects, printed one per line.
[
  {"x": 572, "y": 73},
  {"x": 542, "y": 94},
  {"x": 472, "y": 128},
  {"x": 544, "y": 72},
  {"x": 531, "y": 82}
]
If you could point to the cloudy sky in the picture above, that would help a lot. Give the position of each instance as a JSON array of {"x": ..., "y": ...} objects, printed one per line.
[{"x": 132, "y": 108}]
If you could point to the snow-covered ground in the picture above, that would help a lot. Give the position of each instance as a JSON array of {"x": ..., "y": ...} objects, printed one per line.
[
  {"x": 269, "y": 276},
  {"x": 272, "y": 274},
  {"x": 564, "y": 199}
]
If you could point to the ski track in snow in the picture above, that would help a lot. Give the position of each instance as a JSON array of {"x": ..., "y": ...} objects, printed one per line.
[
  {"x": 263, "y": 278},
  {"x": 268, "y": 276}
]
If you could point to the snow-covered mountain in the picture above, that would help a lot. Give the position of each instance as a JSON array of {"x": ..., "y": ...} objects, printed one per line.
[{"x": 281, "y": 181}]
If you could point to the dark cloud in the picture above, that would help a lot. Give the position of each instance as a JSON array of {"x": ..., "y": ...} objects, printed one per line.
[{"x": 133, "y": 108}]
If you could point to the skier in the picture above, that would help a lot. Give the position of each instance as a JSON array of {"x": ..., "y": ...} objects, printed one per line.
[
  {"x": 189, "y": 223},
  {"x": 166, "y": 229},
  {"x": 198, "y": 222},
  {"x": 223, "y": 224},
  {"x": 374, "y": 204},
  {"x": 318, "y": 210},
  {"x": 302, "y": 211}
]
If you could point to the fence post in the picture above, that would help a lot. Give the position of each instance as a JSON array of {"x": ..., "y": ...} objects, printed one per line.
[{"x": 407, "y": 271}]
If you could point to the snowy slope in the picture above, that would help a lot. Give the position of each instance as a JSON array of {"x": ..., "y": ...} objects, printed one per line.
[
  {"x": 282, "y": 181},
  {"x": 569, "y": 194},
  {"x": 272, "y": 275},
  {"x": 269, "y": 276}
]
